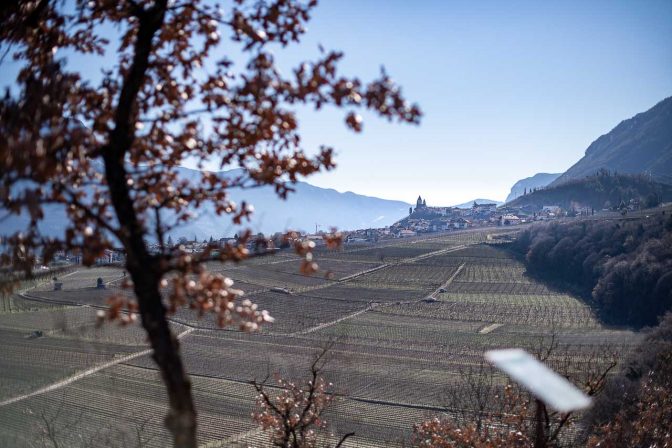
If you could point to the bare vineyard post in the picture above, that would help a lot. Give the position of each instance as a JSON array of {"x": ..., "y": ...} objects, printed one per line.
[{"x": 540, "y": 436}]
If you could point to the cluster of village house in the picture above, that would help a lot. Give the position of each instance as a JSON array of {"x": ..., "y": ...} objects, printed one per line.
[
  {"x": 421, "y": 219},
  {"x": 425, "y": 219}
]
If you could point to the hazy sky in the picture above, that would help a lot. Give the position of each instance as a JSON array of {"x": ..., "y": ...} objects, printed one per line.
[{"x": 508, "y": 89}]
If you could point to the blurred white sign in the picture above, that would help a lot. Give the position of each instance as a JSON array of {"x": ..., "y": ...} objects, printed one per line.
[{"x": 542, "y": 382}]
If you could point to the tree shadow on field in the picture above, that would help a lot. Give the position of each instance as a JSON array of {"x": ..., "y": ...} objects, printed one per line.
[{"x": 558, "y": 285}]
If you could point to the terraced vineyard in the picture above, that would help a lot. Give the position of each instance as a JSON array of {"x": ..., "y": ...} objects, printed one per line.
[{"x": 405, "y": 318}]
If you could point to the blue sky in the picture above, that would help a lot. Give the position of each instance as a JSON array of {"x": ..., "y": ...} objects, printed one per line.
[{"x": 508, "y": 88}]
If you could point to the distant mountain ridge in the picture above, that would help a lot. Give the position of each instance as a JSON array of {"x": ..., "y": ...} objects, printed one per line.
[
  {"x": 305, "y": 209},
  {"x": 539, "y": 180},
  {"x": 641, "y": 144},
  {"x": 310, "y": 206}
]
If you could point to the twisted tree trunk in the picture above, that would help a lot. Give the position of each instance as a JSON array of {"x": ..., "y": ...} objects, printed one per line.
[
  {"x": 143, "y": 268},
  {"x": 145, "y": 272}
]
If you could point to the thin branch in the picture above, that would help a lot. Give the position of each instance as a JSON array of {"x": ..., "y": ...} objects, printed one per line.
[
  {"x": 159, "y": 229},
  {"x": 561, "y": 424},
  {"x": 265, "y": 397},
  {"x": 344, "y": 438},
  {"x": 123, "y": 134},
  {"x": 178, "y": 116},
  {"x": 87, "y": 211},
  {"x": 5, "y": 53}
]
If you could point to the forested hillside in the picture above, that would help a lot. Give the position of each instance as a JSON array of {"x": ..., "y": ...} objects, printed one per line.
[
  {"x": 623, "y": 267},
  {"x": 602, "y": 190}
]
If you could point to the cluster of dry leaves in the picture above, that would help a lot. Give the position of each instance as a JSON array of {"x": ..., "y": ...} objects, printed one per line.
[
  {"x": 293, "y": 415},
  {"x": 647, "y": 421},
  {"x": 444, "y": 433}
]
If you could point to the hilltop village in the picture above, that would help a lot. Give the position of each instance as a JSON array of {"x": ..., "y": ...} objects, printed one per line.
[{"x": 425, "y": 219}]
